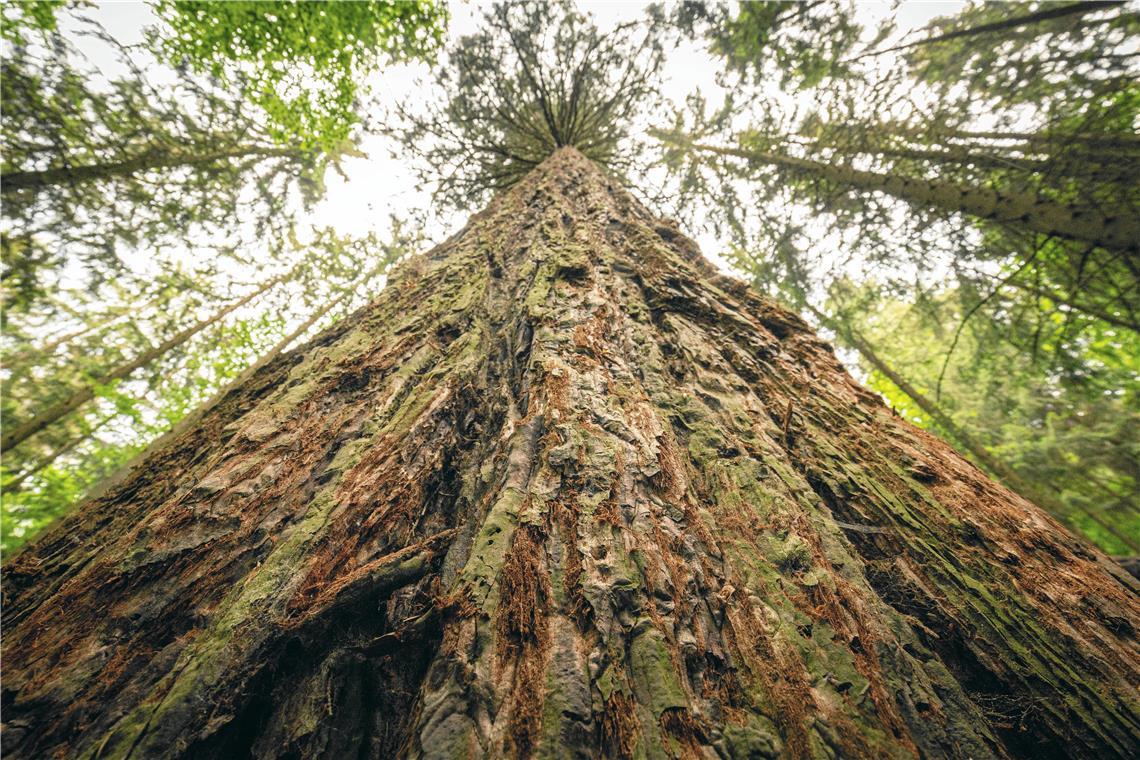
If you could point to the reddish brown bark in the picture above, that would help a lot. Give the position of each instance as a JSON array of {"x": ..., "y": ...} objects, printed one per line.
[{"x": 563, "y": 491}]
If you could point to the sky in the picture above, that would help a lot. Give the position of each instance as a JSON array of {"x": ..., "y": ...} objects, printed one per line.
[{"x": 384, "y": 183}]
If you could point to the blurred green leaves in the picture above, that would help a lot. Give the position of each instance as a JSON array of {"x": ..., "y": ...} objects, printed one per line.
[{"x": 304, "y": 63}]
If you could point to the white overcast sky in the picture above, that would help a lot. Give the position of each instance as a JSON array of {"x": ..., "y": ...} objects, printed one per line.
[{"x": 383, "y": 184}]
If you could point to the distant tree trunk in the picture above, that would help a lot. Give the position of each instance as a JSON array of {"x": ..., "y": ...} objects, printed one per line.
[
  {"x": 49, "y": 347},
  {"x": 1049, "y": 12},
  {"x": 64, "y": 448},
  {"x": 15, "y": 435},
  {"x": 952, "y": 154},
  {"x": 1046, "y": 140},
  {"x": 1102, "y": 158},
  {"x": 1118, "y": 232},
  {"x": 11, "y": 182},
  {"x": 563, "y": 491},
  {"x": 192, "y": 419},
  {"x": 95, "y": 323}
]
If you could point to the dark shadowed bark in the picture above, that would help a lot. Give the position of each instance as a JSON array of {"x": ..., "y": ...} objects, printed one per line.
[{"x": 562, "y": 491}]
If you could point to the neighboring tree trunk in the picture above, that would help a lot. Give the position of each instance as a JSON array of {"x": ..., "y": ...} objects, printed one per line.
[
  {"x": 1049, "y": 12},
  {"x": 13, "y": 436},
  {"x": 18, "y": 479},
  {"x": 563, "y": 491},
  {"x": 1101, "y": 165},
  {"x": 952, "y": 154},
  {"x": 1085, "y": 224},
  {"x": 1047, "y": 141},
  {"x": 49, "y": 347},
  {"x": 13, "y": 182},
  {"x": 97, "y": 323}
]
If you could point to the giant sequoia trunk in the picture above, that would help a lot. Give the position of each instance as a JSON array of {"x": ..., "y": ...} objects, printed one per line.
[{"x": 562, "y": 491}]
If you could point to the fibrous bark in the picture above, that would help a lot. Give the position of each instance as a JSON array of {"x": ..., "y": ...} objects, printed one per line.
[{"x": 562, "y": 491}]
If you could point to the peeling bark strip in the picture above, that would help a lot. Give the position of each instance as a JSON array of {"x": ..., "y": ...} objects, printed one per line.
[{"x": 541, "y": 499}]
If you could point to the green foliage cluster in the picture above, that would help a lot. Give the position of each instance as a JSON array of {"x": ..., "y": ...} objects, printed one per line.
[
  {"x": 93, "y": 168},
  {"x": 41, "y": 486},
  {"x": 91, "y": 172},
  {"x": 798, "y": 44},
  {"x": 274, "y": 49},
  {"x": 538, "y": 75},
  {"x": 1073, "y": 431},
  {"x": 37, "y": 17}
]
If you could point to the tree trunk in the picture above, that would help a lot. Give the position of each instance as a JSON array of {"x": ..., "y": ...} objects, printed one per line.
[
  {"x": 14, "y": 436},
  {"x": 18, "y": 479},
  {"x": 13, "y": 182},
  {"x": 1118, "y": 232},
  {"x": 1044, "y": 141},
  {"x": 563, "y": 491},
  {"x": 1049, "y": 12},
  {"x": 944, "y": 155},
  {"x": 49, "y": 347},
  {"x": 1104, "y": 165}
]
